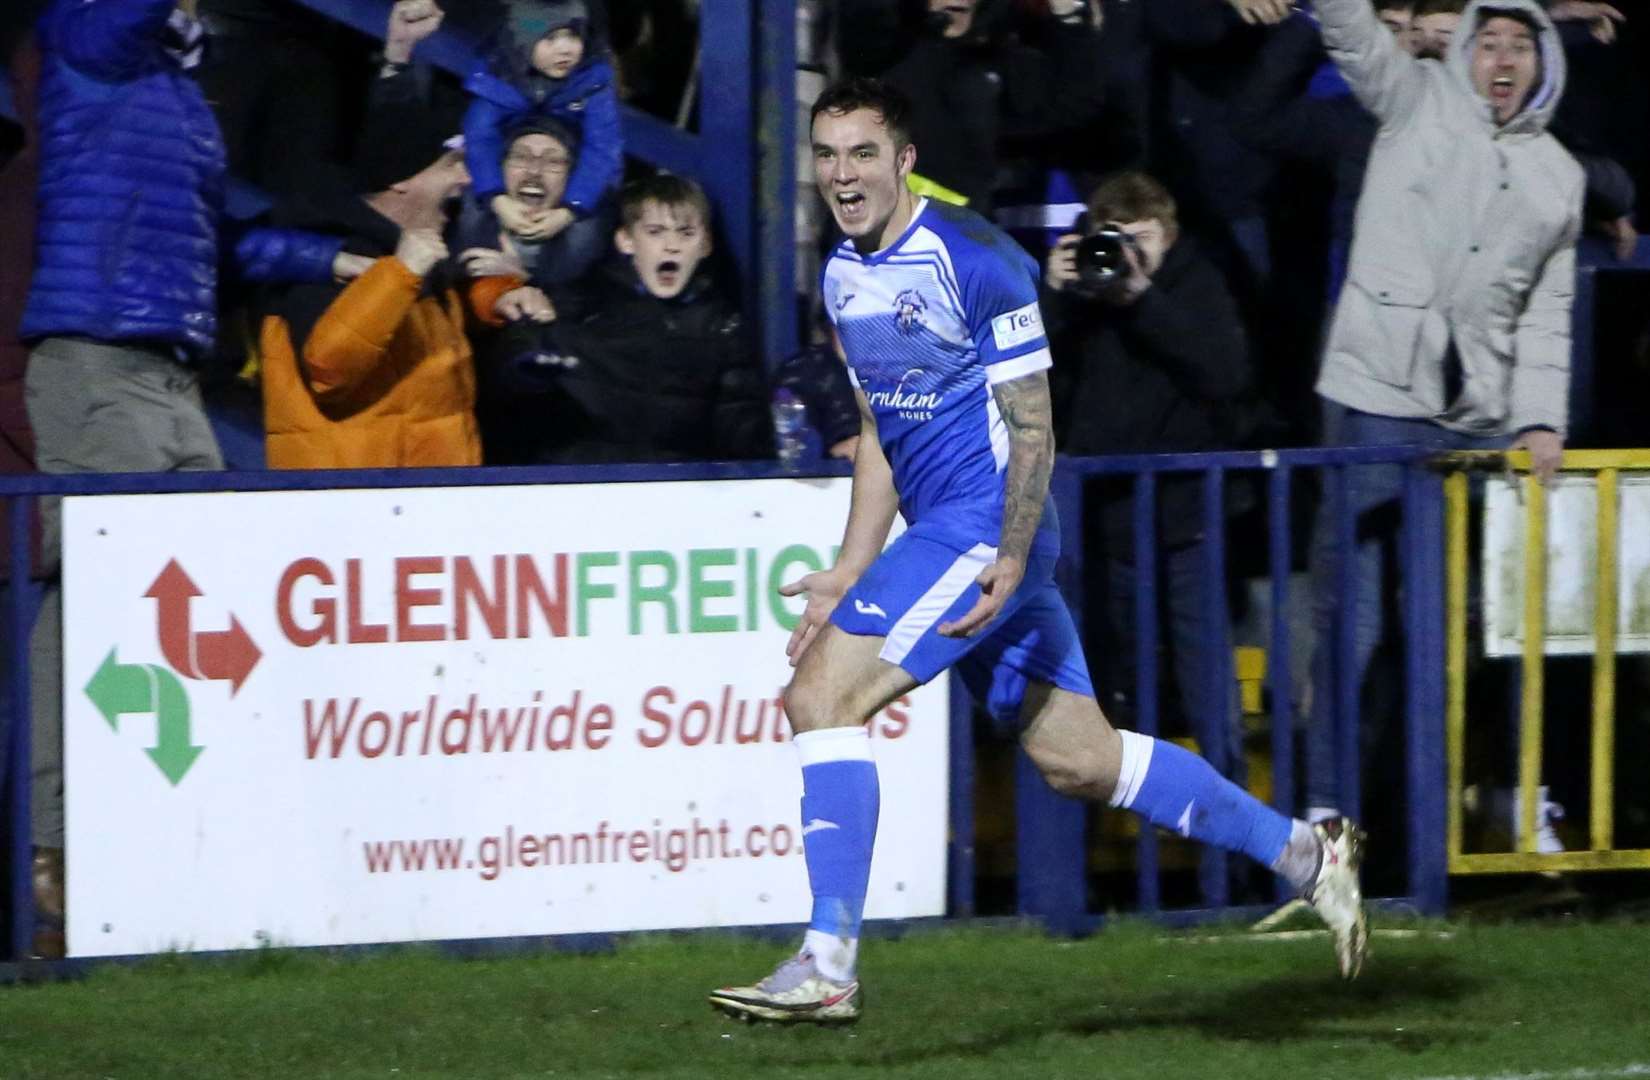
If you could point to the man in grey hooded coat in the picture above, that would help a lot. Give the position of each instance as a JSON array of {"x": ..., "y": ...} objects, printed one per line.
[{"x": 1453, "y": 330}]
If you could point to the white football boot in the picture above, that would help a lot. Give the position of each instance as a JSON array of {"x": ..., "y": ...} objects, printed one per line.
[
  {"x": 1336, "y": 895},
  {"x": 795, "y": 993}
]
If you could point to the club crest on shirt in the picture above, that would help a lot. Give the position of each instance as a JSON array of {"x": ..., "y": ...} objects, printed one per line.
[{"x": 909, "y": 307}]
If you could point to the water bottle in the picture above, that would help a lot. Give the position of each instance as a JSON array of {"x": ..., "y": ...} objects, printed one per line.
[{"x": 790, "y": 422}]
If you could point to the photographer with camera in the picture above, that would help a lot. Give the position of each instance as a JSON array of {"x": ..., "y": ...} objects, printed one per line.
[{"x": 1149, "y": 357}]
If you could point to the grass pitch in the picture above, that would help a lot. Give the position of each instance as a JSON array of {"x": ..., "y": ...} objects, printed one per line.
[{"x": 1564, "y": 1001}]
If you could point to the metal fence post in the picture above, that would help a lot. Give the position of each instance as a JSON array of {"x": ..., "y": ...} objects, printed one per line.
[
  {"x": 18, "y": 813},
  {"x": 1280, "y": 668},
  {"x": 1214, "y": 718},
  {"x": 1145, "y": 678},
  {"x": 770, "y": 267},
  {"x": 1424, "y": 742},
  {"x": 1049, "y": 851},
  {"x": 1348, "y": 675},
  {"x": 1050, "y": 842}
]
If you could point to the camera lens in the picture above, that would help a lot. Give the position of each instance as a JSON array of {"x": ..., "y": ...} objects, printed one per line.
[{"x": 1100, "y": 257}]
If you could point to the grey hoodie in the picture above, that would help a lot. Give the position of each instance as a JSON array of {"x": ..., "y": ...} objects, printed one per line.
[{"x": 1464, "y": 232}]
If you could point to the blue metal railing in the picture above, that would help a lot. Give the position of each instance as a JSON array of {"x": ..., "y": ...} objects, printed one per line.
[
  {"x": 14, "y": 780},
  {"x": 1051, "y": 844},
  {"x": 1051, "y": 838}
]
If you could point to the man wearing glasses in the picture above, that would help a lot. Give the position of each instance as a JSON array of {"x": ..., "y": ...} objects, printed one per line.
[{"x": 540, "y": 154}]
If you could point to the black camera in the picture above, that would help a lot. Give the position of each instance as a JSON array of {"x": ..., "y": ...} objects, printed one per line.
[{"x": 1100, "y": 254}]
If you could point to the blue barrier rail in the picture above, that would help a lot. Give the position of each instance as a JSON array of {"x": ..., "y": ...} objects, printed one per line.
[{"x": 1051, "y": 838}]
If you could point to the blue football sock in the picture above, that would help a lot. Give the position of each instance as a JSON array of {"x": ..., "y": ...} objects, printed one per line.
[
  {"x": 840, "y": 800},
  {"x": 1175, "y": 789}
]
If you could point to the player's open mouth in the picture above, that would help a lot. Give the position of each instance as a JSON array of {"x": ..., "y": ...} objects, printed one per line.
[
  {"x": 532, "y": 195},
  {"x": 850, "y": 204},
  {"x": 1502, "y": 88},
  {"x": 668, "y": 272}
]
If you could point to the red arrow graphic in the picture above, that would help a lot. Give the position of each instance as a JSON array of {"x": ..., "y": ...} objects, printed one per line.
[
  {"x": 172, "y": 592},
  {"x": 228, "y": 655}
]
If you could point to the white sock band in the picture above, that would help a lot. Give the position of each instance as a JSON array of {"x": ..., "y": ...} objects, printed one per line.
[
  {"x": 834, "y": 744},
  {"x": 836, "y": 958},
  {"x": 1131, "y": 771}
]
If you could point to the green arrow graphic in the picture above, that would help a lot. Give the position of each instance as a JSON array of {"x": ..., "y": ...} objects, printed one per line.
[
  {"x": 144, "y": 688},
  {"x": 121, "y": 688}
]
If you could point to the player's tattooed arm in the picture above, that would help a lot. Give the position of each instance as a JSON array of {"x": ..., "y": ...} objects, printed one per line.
[
  {"x": 1024, "y": 406},
  {"x": 1028, "y": 414}
]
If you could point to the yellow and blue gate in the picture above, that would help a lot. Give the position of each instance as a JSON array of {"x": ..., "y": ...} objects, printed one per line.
[{"x": 1607, "y": 468}]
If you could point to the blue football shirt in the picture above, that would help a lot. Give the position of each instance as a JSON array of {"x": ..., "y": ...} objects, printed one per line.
[{"x": 929, "y": 324}]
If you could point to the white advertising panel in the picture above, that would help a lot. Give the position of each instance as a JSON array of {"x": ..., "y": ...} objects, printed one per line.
[
  {"x": 309, "y": 718},
  {"x": 1572, "y": 566}
]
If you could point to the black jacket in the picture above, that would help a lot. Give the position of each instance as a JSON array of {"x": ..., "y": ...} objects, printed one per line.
[
  {"x": 622, "y": 376},
  {"x": 1169, "y": 373},
  {"x": 973, "y": 98},
  {"x": 1275, "y": 114},
  {"x": 1200, "y": 52}
]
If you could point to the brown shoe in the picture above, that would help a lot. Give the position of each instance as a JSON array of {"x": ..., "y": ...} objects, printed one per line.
[
  {"x": 48, "y": 904},
  {"x": 48, "y": 943},
  {"x": 48, "y": 884}
]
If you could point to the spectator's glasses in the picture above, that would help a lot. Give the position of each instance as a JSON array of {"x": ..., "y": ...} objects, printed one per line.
[{"x": 549, "y": 162}]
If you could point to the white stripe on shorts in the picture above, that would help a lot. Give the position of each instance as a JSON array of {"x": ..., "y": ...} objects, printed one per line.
[{"x": 922, "y": 615}]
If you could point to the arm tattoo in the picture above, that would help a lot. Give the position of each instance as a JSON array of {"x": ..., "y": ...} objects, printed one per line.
[{"x": 1027, "y": 414}]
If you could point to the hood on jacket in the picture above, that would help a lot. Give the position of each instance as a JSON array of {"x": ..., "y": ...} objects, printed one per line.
[
  {"x": 509, "y": 50},
  {"x": 1536, "y": 112}
]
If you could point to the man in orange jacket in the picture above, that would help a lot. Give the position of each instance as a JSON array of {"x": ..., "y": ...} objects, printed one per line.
[{"x": 378, "y": 372}]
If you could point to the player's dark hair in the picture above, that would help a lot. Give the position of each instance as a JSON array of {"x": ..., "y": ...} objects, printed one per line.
[
  {"x": 667, "y": 190},
  {"x": 846, "y": 96}
]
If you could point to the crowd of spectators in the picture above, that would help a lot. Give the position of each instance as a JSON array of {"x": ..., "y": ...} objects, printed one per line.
[{"x": 1346, "y": 220}]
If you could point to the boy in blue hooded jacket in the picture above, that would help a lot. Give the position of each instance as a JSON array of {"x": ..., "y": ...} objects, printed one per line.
[{"x": 549, "y": 64}]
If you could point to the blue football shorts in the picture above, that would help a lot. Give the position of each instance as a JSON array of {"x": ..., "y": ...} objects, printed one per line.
[{"x": 919, "y": 583}]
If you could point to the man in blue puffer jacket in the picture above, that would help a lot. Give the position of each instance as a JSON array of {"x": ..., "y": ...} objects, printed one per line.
[
  {"x": 132, "y": 186},
  {"x": 129, "y": 241}
]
